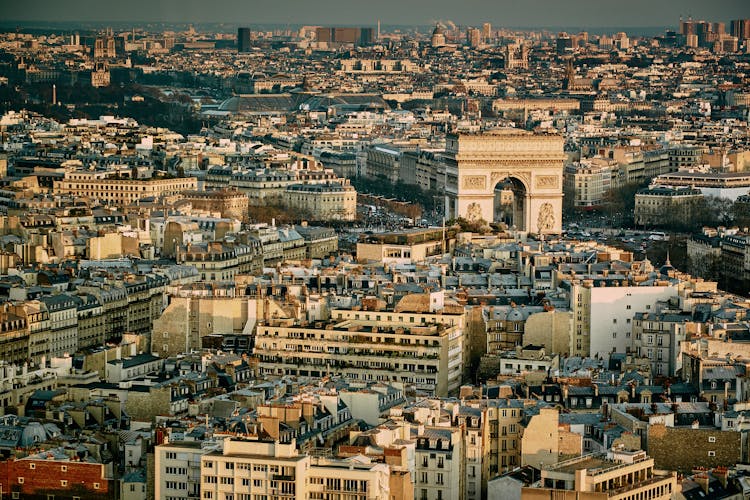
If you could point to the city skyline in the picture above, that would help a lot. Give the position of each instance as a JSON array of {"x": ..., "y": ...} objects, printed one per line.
[{"x": 536, "y": 13}]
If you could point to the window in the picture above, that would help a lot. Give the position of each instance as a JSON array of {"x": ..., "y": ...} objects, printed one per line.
[
  {"x": 63, "y": 468},
  {"x": 96, "y": 486},
  {"x": 711, "y": 453},
  {"x": 711, "y": 439},
  {"x": 32, "y": 466},
  {"x": 63, "y": 482},
  {"x": 20, "y": 480}
]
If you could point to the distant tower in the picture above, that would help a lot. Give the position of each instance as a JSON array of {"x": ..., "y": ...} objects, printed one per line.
[
  {"x": 487, "y": 32},
  {"x": 473, "y": 37},
  {"x": 570, "y": 75},
  {"x": 243, "y": 40},
  {"x": 438, "y": 36},
  {"x": 54, "y": 94},
  {"x": 378, "y": 30}
]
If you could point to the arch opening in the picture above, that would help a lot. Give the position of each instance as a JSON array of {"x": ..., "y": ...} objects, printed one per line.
[{"x": 509, "y": 205}]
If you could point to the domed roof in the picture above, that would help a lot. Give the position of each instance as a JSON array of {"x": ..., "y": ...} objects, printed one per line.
[
  {"x": 33, "y": 433},
  {"x": 515, "y": 314},
  {"x": 438, "y": 30},
  {"x": 667, "y": 267}
]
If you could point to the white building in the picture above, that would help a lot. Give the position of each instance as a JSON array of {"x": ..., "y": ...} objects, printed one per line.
[{"x": 603, "y": 312}]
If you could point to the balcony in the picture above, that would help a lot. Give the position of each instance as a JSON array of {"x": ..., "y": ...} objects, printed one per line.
[{"x": 280, "y": 477}]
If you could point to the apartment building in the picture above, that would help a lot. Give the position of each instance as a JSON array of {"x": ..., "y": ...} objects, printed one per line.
[
  {"x": 475, "y": 422},
  {"x": 177, "y": 469},
  {"x": 440, "y": 459},
  {"x": 425, "y": 356},
  {"x": 36, "y": 318},
  {"x": 229, "y": 203},
  {"x": 102, "y": 186},
  {"x": 215, "y": 260},
  {"x": 603, "y": 310},
  {"x": 248, "y": 469},
  {"x": 505, "y": 417},
  {"x": 658, "y": 337},
  {"x": 61, "y": 470},
  {"x": 423, "y": 309},
  {"x": 619, "y": 475},
  {"x": 63, "y": 324},
  {"x": 384, "y": 163},
  {"x": 403, "y": 247},
  {"x": 658, "y": 205},
  {"x": 14, "y": 337},
  {"x": 329, "y": 201},
  {"x": 589, "y": 181}
]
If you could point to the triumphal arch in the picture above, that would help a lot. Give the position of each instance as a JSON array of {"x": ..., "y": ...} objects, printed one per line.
[{"x": 506, "y": 175}]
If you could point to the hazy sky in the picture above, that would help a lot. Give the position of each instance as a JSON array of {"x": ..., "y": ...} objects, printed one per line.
[{"x": 407, "y": 12}]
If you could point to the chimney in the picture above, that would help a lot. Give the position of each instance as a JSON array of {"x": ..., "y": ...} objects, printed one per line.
[
  {"x": 722, "y": 474},
  {"x": 308, "y": 411},
  {"x": 702, "y": 480}
]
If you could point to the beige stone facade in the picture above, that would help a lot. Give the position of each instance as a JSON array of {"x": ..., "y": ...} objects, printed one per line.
[
  {"x": 230, "y": 203},
  {"x": 186, "y": 320},
  {"x": 323, "y": 202},
  {"x": 541, "y": 439},
  {"x": 619, "y": 476},
  {"x": 274, "y": 469},
  {"x": 120, "y": 192},
  {"x": 426, "y": 356},
  {"x": 552, "y": 329}
]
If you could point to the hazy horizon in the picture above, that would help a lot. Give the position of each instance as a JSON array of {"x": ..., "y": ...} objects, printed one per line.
[{"x": 501, "y": 13}]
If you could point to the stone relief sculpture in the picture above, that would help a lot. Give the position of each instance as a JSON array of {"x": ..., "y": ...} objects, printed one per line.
[
  {"x": 474, "y": 182},
  {"x": 546, "y": 219},
  {"x": 474, "y": 212}
]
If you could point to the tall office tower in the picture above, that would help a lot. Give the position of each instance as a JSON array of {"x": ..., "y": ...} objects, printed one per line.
[
  {"x": 582, "y": 38},
  {"x": 486, "y": 32},
  {"x": 687, "y": 27},
  {"x": 473, "y": 37},
  {"x": 342, "y": 36},
  {"x": 243, "y": 39},
  {"x": 720, "y": 28},
  {"x": 563, "y": 43},
  {"x": 740, "y": 28}
]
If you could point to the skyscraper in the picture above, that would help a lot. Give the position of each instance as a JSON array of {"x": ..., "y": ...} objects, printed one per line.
[
  {"x": 486, "y": 32},
  {"x": 243, "y": 40},
  {"x": 473, "y": 37},
  {"x": 740, "y": 28}
]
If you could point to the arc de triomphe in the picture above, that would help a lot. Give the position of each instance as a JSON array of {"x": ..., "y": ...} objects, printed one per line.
[{"x": 526, "y": 169}]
